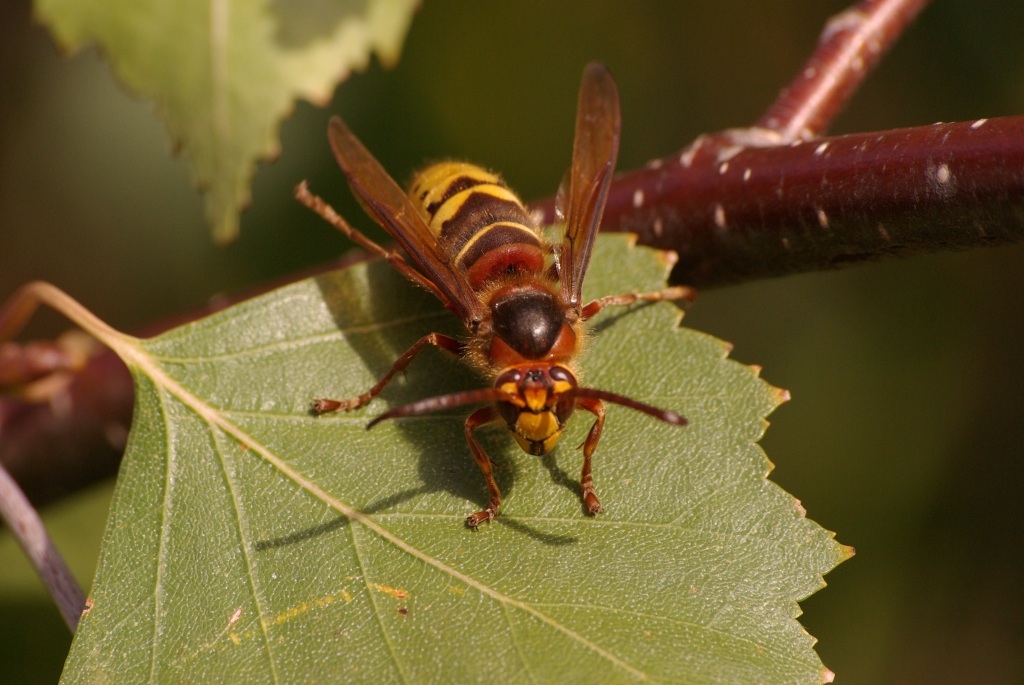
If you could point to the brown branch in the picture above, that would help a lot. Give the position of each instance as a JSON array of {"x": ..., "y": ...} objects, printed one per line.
[{"x": 736, "y": 213}]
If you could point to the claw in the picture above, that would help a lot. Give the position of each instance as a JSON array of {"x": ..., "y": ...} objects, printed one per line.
[{"x": 479, "y": 517}]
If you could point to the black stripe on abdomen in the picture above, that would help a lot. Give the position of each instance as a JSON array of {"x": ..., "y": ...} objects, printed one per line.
[
  {"x": 477, "y": 212},
  {"x": 496, "y": 236},
  {"x": 457, "y": 185}
]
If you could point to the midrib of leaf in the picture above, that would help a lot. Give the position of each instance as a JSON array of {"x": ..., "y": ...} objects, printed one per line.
[{"x": 134, "y": 355}]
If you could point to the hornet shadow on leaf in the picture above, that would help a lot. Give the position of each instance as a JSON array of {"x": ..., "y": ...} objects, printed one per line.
[
  {"x": 379, "y": 319},
  {"x": 337, "y": 523}
]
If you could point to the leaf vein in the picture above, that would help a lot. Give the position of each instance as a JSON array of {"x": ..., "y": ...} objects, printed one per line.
[
  {"x": 290, "y": 344},
  {"x": 162, "y": 546},
  {"x": 365, "y": 573},
  {"x": 247, "y": 556},
  {"x": 516, "y": 644}
]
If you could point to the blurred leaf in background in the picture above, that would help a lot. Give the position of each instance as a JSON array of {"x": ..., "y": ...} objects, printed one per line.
[{"x": 224, "y": 75}]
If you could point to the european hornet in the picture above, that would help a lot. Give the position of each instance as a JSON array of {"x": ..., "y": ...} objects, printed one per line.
[{"x": 470, "y": 241}]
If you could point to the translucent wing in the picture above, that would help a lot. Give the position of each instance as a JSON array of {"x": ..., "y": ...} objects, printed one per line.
[
  {"x": 593, "y": 162},
  {"x": 390, "y": 207}
]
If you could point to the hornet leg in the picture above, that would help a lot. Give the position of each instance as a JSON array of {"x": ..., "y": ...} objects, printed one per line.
[
  {"x": 679, "y": 292},
  {"x": 481, "y": 417},
  {"x": 322, "y": 406},
  {"x": 595, "y": 407}
]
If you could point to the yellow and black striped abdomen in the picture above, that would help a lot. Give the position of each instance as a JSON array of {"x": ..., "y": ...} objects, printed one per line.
[{"x": 478, "y": 221}]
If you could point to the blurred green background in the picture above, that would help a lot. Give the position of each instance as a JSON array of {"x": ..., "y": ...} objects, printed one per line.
[{"x": 905, "y": 430}]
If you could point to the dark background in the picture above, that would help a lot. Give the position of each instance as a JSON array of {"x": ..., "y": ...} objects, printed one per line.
[{"x": 904, "y": 434}]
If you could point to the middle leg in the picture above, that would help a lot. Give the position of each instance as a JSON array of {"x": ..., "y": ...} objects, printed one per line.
[{"x": 323, "y": 405}]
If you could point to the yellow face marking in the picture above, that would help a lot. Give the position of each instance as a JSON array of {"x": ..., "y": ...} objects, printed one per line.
[
  {"x": 537, "y": 426},
  {"x": 536, "y": 398},
  {"x": 562, "y": 387},
  {"x": 545, "y": 445},
  {"x": 550, "y": 443},
  {"x": 512, "y": 390}
]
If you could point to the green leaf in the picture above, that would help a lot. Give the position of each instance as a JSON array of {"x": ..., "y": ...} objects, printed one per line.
[
  {"x": 224, "y": 74},
  {"x": 251, "y": 542}
]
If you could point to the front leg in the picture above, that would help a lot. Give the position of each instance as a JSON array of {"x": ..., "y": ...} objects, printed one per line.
[
  {"x": 324, "y": 405},
  {"x": 479, "y": 418},
  {"x": 595, "y": 407}
]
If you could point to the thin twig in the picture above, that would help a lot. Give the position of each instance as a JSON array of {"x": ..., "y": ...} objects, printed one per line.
[
  {"x": 851, "y": 45},
  {"x": 28, "y": 530}
]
